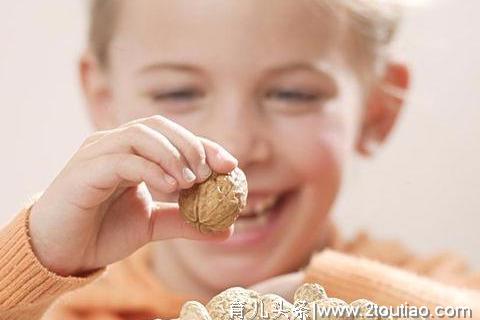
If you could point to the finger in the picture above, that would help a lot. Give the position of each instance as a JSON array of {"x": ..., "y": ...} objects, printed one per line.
[
  {"x": 94, "y": 137},
  {"x": 284, "y": 285},
  {"x": 109, "y": 171},
  {"x": 148, "y": 143},
  {"x": 185, "y": 141},
  {"x": 167, "y": 223},
  {"x": 219, "y": 159},
  {"x": 98, "y": 178}
]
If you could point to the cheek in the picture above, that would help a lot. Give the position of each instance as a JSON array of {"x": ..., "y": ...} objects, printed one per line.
[
  {"x": 318, "y": 148},
  {"x": 323, "y": 142}
]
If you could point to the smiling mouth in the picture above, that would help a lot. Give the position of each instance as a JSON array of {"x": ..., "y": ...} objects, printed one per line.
[{"x": 260, "y": 217}]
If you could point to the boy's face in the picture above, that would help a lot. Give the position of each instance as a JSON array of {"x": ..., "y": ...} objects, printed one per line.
[{"x": 265, "y": 79}]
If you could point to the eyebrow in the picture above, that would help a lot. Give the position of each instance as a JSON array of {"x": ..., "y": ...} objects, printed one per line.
[
  {"x": 172, "y": 66},
  {"x": 183, "y": 67},
  {"x": 297, "y": 66}
]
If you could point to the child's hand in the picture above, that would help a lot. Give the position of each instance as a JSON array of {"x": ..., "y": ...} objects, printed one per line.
[{"x": 97, "y": 212}]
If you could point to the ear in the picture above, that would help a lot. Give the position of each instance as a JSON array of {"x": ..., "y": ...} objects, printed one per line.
[
  {"x": 96, "y": 90},
  {"x": 383, "y": 106}
]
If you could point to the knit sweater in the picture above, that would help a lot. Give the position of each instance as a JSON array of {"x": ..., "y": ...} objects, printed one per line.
[{"x": 382, "y": 271}]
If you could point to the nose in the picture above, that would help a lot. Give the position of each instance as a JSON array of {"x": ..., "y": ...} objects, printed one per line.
[{"x": 243, "y": 131}]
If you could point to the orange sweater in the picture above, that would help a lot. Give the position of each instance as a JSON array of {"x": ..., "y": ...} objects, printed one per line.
[{"x": 360, "y": 268}]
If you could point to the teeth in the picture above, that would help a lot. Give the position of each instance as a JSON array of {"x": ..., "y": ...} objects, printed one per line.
[
  {"x": 260, "y": 207},
  {"x": 256, "y": 214},
  {"x": 245, "y": 224}
]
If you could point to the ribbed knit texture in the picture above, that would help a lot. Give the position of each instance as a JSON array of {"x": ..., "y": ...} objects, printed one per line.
[
  {"x": 353, "y": 278},
  {"x": 130, "y": 289},
  {"x": 26, "y": 287}
]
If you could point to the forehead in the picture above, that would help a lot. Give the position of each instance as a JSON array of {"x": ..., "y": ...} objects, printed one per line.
[{"x": 246, "y": 32}]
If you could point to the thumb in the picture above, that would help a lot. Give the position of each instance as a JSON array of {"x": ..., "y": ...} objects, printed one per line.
[{"x": 166, "y": 222}]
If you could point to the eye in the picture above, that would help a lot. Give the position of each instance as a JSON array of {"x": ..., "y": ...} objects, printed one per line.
[
  {"x": 180, "y": 95},
  {"x": 293, "y": 95},
  {"x": 294, "y": 101}
]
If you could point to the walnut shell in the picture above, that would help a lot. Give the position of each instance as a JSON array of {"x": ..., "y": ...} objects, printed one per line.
[
  {"x": 215, "y": 204},
  {"x": 310, "y": 292},
  {"x": 221, "y": 306},
  {"x": 194, "y": 310}
]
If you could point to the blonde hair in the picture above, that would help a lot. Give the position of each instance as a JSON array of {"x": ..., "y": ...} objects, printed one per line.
[{"x": 372, "y": 24}]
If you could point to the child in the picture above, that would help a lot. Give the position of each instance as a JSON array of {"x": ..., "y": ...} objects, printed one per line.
[{"x": 290, "y": 88}]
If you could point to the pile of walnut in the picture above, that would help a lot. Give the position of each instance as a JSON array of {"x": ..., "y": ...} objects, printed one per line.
[
  {"x": 215, "y": 204},
  {"x": 243, "y": 304}
]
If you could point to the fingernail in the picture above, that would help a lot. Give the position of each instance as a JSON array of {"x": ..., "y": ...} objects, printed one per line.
[
  {"x": 225, "y": 156},
  {"x": 170, "y": 180},
  {"x": 204, "y": 170},
  {"x": 188, "y": 175}
]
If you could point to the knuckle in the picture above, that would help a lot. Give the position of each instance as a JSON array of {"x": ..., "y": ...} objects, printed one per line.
[
  {"x": 174, "y": 161},
  {"x": 171, "y": 150},
  {"x": 157, "y": 118},
  {"x": 195, "y": 151},
  {"x": 138, "y": 128}
]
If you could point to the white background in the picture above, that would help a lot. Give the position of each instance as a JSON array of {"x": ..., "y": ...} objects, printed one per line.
[{"x": 423, "y": 188}]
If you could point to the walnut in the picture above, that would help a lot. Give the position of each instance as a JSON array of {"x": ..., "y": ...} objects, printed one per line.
[
  {"x": 311, "y": 303},
  {"x": 215, "y": 204},
  {"x": 241, "y": 300},
  {"x": 310, "y": 292},
  {"x": 193, "y": 310}
]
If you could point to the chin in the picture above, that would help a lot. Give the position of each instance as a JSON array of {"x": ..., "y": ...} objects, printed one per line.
[{"x": 241, "y": 275}]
